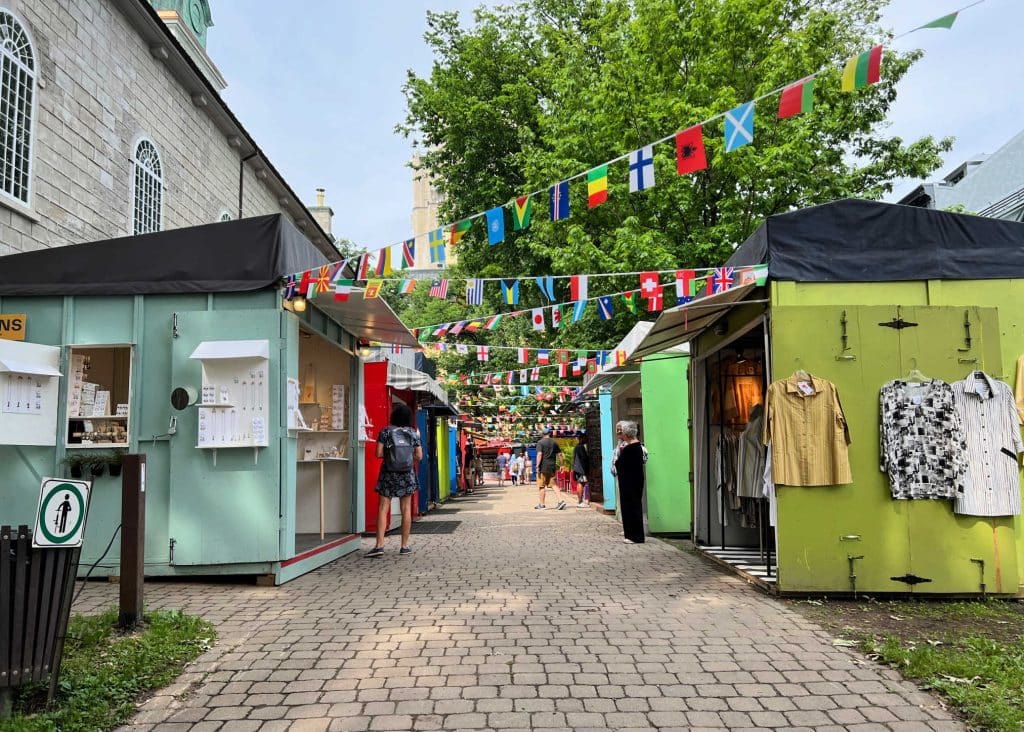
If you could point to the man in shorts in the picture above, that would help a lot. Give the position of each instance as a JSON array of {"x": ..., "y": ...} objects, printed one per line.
[{"x": 547, "y": 464}]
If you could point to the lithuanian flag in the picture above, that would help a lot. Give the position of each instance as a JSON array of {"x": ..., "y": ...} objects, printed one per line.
[
  {"x": 862, "y": 70},
  {"x": 597, "y": 186}
]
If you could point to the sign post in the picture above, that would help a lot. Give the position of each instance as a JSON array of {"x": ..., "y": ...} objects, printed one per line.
[
  {"x": 133, "y": 539},
  {"x": 60, "y": 520}
]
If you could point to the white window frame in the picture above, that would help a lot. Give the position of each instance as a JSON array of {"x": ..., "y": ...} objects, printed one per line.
[
  {"x": 33, "y": 86},
  {"x": 158, "y": 177},
  {"x": 224, "y": 215}
]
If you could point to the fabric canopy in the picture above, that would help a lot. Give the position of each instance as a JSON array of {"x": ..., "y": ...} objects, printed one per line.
[
  {"x": 683, "y": 323},
  {"x": 866, "y": 241},
  {"x": 617, "y": 375},
  {"x": 232, "y": 256},
  {"x": 370, "y": 320},
  {"x": 401, "y": 377}
]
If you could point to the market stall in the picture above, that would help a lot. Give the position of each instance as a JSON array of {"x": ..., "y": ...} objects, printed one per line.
[
  {"x": 870, "y": 309},
  {"x": 252, "y": 468}
]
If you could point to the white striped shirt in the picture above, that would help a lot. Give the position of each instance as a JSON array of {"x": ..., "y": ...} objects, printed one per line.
[{"x": 992, "y": 430}]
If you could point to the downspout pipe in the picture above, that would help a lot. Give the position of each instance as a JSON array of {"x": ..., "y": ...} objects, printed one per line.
[{"x": 241, "y": 178}]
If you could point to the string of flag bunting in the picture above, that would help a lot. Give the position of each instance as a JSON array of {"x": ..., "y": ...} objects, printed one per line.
[{"x": 795, "y": 98}]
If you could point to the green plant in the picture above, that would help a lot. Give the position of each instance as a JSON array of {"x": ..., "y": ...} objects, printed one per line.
[{"x": 77, "y": 463}]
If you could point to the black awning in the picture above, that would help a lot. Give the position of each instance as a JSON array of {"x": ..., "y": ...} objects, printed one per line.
[
  {"x": 866, "y": 241},
  {"x": 232, "y": 256}
]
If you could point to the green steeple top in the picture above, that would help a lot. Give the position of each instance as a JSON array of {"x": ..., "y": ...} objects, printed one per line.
[{"x": 194, "y": 14}]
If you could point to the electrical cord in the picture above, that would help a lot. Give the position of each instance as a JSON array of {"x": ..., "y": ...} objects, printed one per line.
[{"x": 96, "y": 563}]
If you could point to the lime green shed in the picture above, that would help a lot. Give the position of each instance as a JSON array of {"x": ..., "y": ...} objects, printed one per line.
[{"x": 858, "y": 293}]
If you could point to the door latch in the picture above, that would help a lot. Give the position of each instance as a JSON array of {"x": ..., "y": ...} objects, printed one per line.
[
  {"x": 910, "y": 579},
  {"x": 898, "y": 324}
]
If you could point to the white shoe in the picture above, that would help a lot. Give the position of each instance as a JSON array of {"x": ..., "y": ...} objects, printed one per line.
[
  {"x": 581, "y": 504},
  {"x": 628, "y": 541}
]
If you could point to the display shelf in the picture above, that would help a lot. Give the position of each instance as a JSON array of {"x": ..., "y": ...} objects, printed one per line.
[
  {"x": 105, "y": 416},
  {"x": 235, "y": 394},
  {"x": 324, "y": 432},
  {"x": 97, "y": 446},
  {"x": 325, "y": 460},
  {"x": 215, "y": 406}
]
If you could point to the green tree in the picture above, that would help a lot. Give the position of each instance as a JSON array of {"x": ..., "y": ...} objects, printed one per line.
[{"x": 543, "y": 89}]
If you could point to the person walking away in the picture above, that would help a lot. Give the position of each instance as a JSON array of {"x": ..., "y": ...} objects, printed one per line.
[
  {"x": 581, "y": 469},
  {"x": 629, "y": 466},
  {"x": 478, "y": 469},
  {"x": 502, "y": 466},
  {"x": 401, "y": 448},
  {"x": 468, "y": 478},
  {"x": 513, "y": 469},
  {"x": 547, "y": 465}
]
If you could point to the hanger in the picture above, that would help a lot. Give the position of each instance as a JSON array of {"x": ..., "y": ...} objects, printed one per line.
[
  {"x": 801, "y": 375},
  {"x": 916, "y": 377}
]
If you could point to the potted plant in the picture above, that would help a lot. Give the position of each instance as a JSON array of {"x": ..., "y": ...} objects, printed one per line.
[
  {"x": 76, "y": 463},
  {"x": 97, "y": 464},
  {"x": 114, "y": 461}
]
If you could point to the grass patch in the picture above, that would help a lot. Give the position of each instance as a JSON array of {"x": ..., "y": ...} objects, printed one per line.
[
  {"x": 983, "y": 678},
  {"x": 971, "y": 653},
  {"x": 105, "y": 673}
]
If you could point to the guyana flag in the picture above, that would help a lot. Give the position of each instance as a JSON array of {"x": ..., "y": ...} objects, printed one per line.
[
  {"x": 862, "y": 70},
  {"x": 521, "y": 210}
]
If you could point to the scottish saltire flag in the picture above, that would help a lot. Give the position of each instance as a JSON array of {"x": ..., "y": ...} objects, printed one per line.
[
  {"x": 474, "y": 292},
  {"x": 578, "y": 310},
  {"x": 641, "y": 169},
  {"x": 547, "y": 286},
  {"x": 510, "y": 292},
  {"x": 559, "y": 201},
  {"x": 604, "y": 307},
  {"x": 739, "y": 126},
  {"x": 436, "y": 240},
  {"x": 496, "y": 225}
]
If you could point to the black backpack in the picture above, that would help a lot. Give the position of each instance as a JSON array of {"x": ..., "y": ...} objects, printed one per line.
[{"x": 399, "y": 449}]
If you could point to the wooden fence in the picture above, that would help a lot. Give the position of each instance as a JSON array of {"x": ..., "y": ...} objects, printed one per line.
[{"x": 36, "y": 588}]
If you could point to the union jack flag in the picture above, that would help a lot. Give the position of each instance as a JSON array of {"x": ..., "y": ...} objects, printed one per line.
[
  {"x": 722, "y": 279},
  {"x": 439, "y": 288}
]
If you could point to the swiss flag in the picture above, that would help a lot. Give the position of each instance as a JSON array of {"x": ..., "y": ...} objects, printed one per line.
[{"x": 650, "y": 289}]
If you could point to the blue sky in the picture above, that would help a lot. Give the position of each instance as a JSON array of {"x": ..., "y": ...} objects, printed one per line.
[{"x": 319, "y": 88}]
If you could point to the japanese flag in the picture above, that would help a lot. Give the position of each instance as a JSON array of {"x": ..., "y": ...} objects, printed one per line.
[{"x": 538, "y": 319}]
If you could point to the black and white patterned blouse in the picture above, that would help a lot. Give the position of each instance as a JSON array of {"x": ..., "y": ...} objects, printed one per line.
[{"x": 922, "y": 440}]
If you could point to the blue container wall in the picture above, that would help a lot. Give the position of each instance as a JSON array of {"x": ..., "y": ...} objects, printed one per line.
[{"x": 237, "y": 514}]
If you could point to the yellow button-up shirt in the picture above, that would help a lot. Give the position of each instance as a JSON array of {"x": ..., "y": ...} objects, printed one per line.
[{"x": 807, "y": 430}]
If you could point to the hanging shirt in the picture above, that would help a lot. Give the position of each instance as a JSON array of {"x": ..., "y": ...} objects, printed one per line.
[
  {"x": 751, "y": 458},
  {"x": 992, "y": 432},
  {"x": 805, "y": 425},
  {"x": 922, "y": 440},
  {"x": 1018, "y": 391}
]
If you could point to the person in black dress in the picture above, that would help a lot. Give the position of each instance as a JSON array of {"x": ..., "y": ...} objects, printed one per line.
[{"x": 629, "y": 467}]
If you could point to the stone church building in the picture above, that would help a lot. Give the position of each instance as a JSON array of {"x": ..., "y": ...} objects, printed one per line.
[{"x": 111, "y": 124}]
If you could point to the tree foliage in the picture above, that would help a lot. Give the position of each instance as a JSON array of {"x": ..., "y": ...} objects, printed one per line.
[{"x": 543, "y": 89}]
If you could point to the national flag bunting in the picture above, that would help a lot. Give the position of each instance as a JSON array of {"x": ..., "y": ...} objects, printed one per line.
[
  {"x": 563, "y": 370},
  {"x": 597, "y": 186},
  {"x": 435, "y": 239},
  {"x": 323, "y": 280},
  {"x": 559, "y": 201},
  {"x": 543, "y": 356},
  {"x": 739, "y": 126},
  {"x": 578, "y": 310},
  {"x": 690, "y": 154},
  {"x": 578, "y": 288},
  {"x": 521, "y": 210},
  {"x": 621, "y": 358},
  {"x": 473, "y": 326},
  {"x": 537, "y": 317},
  {"x": 556, "y": 316},
  {"x": 493, "y": 322},
  {"x": 641, "y": 169},
  {"x": 342, "y": 290},
  {"x": 408, "y": 253},
  {"x": 684, "y": 285},
  {"x": 510, "y": 292},
  {"x": 946, "y": 21},
  {"x": 592, "y": 367},
  {"x": 721, "y": 279},
  {"x": 547, "y": 286},
  {"x": 496, "y": 225},
  {"x": 291, "y": 287},
  {"x": 442, "y": 331},
  {"x": 407, "y": 287},
  {"x": 630, "y": 299},
  {"x": 862, "y": 70},
  {"x": 797, "y": 98},
  {"x": 563, "y": 356},
  {"x": 363, "y": 269},
  {"x": 372, "y": 289},
  {"x": 307, "y": 285},
  {"x": 483, "y": 353},
  {"x": 458, "y": 327},
  {"x": 605, "y": 308},
  {"x": 459, "y": 230},
  {"x": 524, "y": 355},
  {"x": 462, "y": 349},
  {"x": 439, "y": 288},
  {"x": 474, "y": 292},
  {"x": 535, "y": 374}
]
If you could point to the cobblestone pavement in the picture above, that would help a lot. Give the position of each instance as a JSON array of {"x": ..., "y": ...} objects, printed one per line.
[{"x": 518, "y": 619}]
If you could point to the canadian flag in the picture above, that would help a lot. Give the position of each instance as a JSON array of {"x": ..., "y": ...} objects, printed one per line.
[
  {"x": 483, "y": 353},
  {"x": 524, "y": 355},
  {"x": 538, "y": 319}
]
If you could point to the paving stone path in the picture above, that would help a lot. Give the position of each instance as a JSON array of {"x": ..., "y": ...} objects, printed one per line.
[{"x": 518, "y": 619}]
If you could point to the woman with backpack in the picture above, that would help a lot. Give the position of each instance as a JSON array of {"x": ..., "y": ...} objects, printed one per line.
[{"x": 400, "y": 447}]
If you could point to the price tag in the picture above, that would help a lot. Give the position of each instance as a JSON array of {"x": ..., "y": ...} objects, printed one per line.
[{"x": 805, "y": 387}]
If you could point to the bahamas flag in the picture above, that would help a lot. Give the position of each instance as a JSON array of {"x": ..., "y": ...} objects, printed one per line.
[{"x": 510, "y": 292}]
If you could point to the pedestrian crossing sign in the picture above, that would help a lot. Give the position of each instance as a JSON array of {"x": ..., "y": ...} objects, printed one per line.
[{"x": 60, "y": 520}]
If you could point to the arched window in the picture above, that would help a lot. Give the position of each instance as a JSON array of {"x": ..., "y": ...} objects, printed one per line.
[
  {"x": 17, "y": 101},
  {"x": 224, "y": 216},
  {"x": 148, "y": 189}
]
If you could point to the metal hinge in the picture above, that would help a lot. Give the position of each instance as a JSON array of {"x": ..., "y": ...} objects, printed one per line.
[
  {"x": 910, "y": 579},
  {"x": 898, "y": 324}
]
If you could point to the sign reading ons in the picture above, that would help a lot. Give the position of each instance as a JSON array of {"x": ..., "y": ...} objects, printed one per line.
[
  {"x": 60, "y": 520},
  {"x": 12, "y": 327}
]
